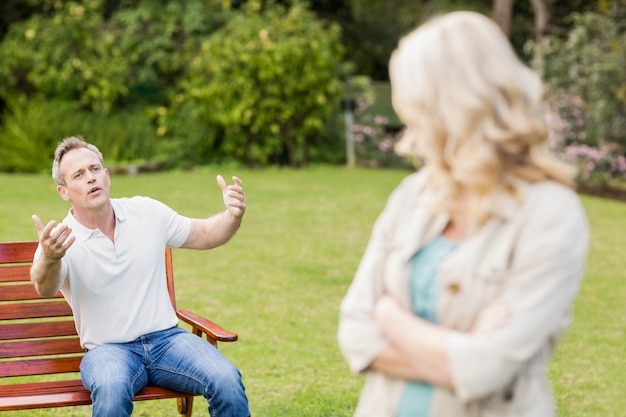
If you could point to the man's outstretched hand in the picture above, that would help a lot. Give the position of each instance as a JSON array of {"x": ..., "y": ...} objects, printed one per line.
[
  {"x": 54, "y": 238},
  {"x": 234, "y": 196}
]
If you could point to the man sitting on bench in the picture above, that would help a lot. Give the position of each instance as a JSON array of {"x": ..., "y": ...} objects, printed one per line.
[{"x": 106, "y": 257}]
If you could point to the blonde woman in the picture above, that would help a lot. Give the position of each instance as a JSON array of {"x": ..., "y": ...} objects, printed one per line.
[{"x": 468, "y": 280}]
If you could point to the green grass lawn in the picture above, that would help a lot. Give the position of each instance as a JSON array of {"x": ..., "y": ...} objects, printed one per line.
[{"x": 279, "y": 282}]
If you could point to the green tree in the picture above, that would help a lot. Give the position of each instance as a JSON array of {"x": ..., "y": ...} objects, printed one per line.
[
  {"x": 268, "y": 81},
  {"x": 68, "y": 55},
  {"x": 159, "y": 37},
  {"x": 591, "y": 63},
  {"x": 74, "y": 53},
  {"x": 98, "y": 65}
]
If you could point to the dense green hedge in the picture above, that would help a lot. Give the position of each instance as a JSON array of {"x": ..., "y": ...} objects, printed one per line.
[
  {"x": 201, "y": 82},
  {"x": 586, "y": 80},
  {"x": 30, "y": 130},
  {"x": 267, "y": 82},
  {"x": 197, "y": 82}
]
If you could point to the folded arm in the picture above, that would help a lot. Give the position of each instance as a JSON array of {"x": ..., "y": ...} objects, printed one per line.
[
  {"x": 530, "y": 313},
  {"x": 417, "y": 354}
]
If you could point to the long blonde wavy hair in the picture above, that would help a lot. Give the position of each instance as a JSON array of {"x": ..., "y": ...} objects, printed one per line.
[{"x": 473, "y": 112}]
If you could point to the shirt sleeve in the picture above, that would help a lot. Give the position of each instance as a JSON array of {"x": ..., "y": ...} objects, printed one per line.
[
  {"x": 539, "y": 291},
  {"x": 177, "y": 227},
  {"x": 359, "y": 339}
]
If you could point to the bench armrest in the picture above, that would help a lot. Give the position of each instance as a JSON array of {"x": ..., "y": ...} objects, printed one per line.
[{"x": 201, "y": 325}]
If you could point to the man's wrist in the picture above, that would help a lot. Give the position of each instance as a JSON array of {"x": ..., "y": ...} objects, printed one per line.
[{"x": 236, "y": 220}]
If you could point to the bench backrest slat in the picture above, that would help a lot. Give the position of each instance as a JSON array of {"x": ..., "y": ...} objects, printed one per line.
[
  {"x": 34, "y": 310},
  {"x": 22, "y": 292},
  {"x": 14, "y": 273},
  {"x": 40, "y": 347},
  {"x": 18, "y": 252},
  {"x": 37, "y": 329},
  {"x": 40, "y": 366}
]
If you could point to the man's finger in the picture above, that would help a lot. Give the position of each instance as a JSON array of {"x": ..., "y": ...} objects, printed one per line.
[
  {"x": 222, "y": 183},
  {"x": 37, "y": 222},
  {"x": 49, "y": 228},
  {"x": 69, "y": 242}
]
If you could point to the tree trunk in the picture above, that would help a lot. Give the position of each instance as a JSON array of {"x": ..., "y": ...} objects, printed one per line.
[
  {"x": 502, "y": 13},
  {"x": 542, "y": 15}
]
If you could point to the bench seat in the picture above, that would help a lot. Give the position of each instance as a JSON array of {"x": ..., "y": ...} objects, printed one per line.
[{"x": 63, "y": 394}]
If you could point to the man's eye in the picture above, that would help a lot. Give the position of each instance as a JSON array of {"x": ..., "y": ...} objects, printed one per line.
[
  {"x": 77, "y": 175},
  {"x": 95, "y": 169}
]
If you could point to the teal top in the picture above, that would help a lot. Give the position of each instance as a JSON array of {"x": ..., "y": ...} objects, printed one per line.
[{"x": 415, "y": 401}]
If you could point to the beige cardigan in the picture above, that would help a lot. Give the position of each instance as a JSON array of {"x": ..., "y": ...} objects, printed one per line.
[{"x": 529, "y": 258}]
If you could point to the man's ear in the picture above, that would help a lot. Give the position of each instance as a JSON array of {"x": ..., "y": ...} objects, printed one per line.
[{"x": 62, "y": 190}]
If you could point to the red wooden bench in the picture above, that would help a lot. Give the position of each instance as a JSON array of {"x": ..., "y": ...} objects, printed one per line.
[{"x": 38, "y": 337}]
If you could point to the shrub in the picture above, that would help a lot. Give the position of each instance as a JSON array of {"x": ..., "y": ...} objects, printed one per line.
[
  {"x": 567, "y": 116},
  {"x": 598, "y": 165},
  {"x": 374, "y": 140},
  {"x": 586, "y": 97},
  {"x": 31, "y": 129},
  {"x": 185, "y": 139},
  {"x": 75, "y": 54},
  {"x": 374, "y": 144},
  {"x": 268, "y": 81},
  {"x": 589, "y": 63},
  {"x": 26, "y": 137},
  {"x": 159, "y": 38},
  {"x": 67, "y": 56}
]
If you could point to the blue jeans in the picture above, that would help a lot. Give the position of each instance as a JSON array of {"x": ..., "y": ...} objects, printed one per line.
[{"x": 173, "y": 358}]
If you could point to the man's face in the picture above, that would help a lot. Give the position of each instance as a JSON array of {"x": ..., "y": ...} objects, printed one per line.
[{"x": 87, "y": 182}]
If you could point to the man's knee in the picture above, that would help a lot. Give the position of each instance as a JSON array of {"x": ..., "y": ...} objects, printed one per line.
[
  {"x": 228, "y": 393},
  {"x": 112, "y": 375}
]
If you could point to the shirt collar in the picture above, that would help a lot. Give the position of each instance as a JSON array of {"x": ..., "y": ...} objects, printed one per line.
[{"x": 82, "y": 232}]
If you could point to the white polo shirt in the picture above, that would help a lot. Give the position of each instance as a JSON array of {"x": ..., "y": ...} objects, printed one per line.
[{"x": 117, "y": 290}]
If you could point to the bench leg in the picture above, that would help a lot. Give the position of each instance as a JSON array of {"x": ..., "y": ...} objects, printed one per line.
[{"x": 185, "y": 405}]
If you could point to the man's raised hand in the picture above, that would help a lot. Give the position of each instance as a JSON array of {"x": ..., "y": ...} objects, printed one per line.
[
  {"x": 54, "y": 238},
  {"x": 234, "y": 196}
]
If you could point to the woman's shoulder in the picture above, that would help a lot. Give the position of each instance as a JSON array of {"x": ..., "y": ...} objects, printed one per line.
[
  {"x": 550, "y": 199},
  {"x": 541, "y": 199},
  {"x": 414, "y": 181},
  {"x": 409, "y": 189},
  {"x": 550, "y": 192}
]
